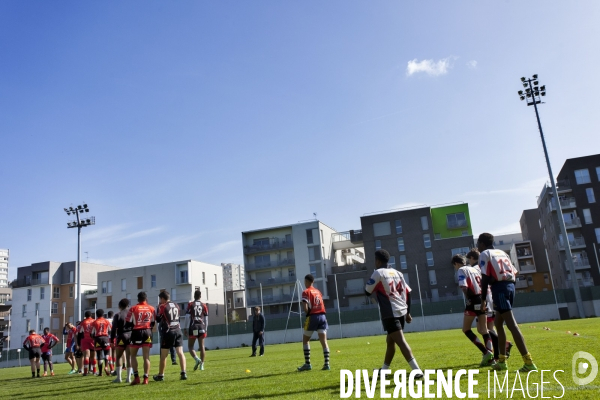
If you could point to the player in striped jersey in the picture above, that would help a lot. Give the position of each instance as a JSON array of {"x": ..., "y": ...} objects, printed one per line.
[
  {"x": 198, "y": 313},
  {"x": 393, "y": 297},
  {"x": 469, "y": 280},
  {"x": 50, "y": 341},
  {"x": 498, "y": 271},
  {"x": 314, "y": 309},
  {"x": 170, "y": 334}
]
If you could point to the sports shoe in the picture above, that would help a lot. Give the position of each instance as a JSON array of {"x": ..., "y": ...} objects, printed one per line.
[
  {"x": 114, "y": 373},
  {"x": 118, "y": 380},
  {"x": 158, "y": 378},
  {"x": 487, "y": 359},
  {"x": 419, "y": 375},
  {"x": 201, "y": 366},
  {"x": 261, "y": 355},
  {"x": 145, "y": 381},
  {"x": 500, "y": 366},
  {"x": 527, "y": 368},
  {"x": 51, "y": 373},
  {"x": 197, "y": 364},
  {"x": 509, "y": 346},
  {"x": 305, "y": 367},
  {"x": 136, "y": 381},
  {"x": 45, "y": 374},
  {"x": 252, "y": 355},
  {"x": 174, "y": 363},
  {"x": 325, "y": 367},
  {"x": 183, "y": 376}
]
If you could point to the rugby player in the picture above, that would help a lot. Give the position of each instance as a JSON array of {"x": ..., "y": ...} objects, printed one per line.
[
  {"x": 469, "y": 280},
  {"x": 498, "y": 271},
  {"x": 50, "y": 341},
  {"x": 33, "y": 344},
  {"x": 70, "y": 331},
  {"x": 141, "y": 319},
  {"x": 100, "y": 334},
  {"x": 86, "y": 343},
  {"x": 198, "y": 312},
  {"x": 170, "y": 334},
  {"x": 78, "y": 351},
  {"x": 314, "y": 309},
  {"x": 393, "y": 296},
  {"x": 121, "y": 335},
  {"x": 110, "y": 359}
]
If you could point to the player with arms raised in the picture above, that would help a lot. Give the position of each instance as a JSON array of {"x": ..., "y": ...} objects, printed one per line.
[
  {"x": 100, "y": 334},
  {"x": 393, "y": 296},
  {"x": 50, "y": 341},
  {"x": 170, "y": 334},
  {"x": 314, "y": 309},
  {"x": 498, "y": 271},
  {"x": 198, "y": 313},
  {"x": 141, "y": 319}
]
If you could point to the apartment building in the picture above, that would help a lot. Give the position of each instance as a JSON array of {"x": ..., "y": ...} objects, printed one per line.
[
  {"x": 276, "y": 258},
  {"x": 529, "y": 256},
  {"x": 4, "y": 253},
  {"x": 179, "y": 278},
  {"x": 44, "y": 293},
  {"x": 578, "y": 184},
  {"x": 234, "y": 276}
]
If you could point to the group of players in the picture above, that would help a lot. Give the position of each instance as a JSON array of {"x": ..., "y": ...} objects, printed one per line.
[
  {"x": 489, "y": 269},
  {"x": 117, "y": 341}
]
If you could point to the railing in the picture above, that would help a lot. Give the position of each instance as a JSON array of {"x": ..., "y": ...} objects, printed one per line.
[
  {"x": 580, "y": 263},
  {"x": 4, "y": 313},
  {"x": 269, "y": 300},
  {"x": 353, "y": 291},
  {"x": 524, "y": 253},
  {"x": 23, "y": 282},
  {"x": 288, "y": 262},
  {"x": 582, "y": 282},
  {"x": 267, "y": 247},
  {"x": 87, "y": 292},
  {"x": 40, "y": 281},
  {"x": 270, "y": 281},
  {"x": 348, "y": 268},
  {"x": 564, "y": 184},
  {"x": 527, "y": 268},
  {"x": 568, "y": 203},
  {"x": 521, "y": 284},
  {"x": 575, "y": 242},
  {"x": 457, "y": 224},
  {"x": 353, "y": 236},
  {"x": 573, "y": 222}
]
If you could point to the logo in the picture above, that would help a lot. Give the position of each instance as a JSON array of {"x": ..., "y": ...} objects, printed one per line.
[
  {"x": 371, "y": 282},
  {"x": 581, "y": 368}
]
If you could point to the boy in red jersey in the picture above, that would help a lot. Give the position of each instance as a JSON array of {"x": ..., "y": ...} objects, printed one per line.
[
  {"x": 33, "y": 344},
  {"x": 197, "y": 329},
  {"x": 314, "y": 309},
  {"x": 86, "y": 343},
  {"x": 170, "y": 334},
  {"x": 100, "y": 334},
  {"x": 141, "y": 318},
  {"x": 70, "y": 331},
  {"x": 50, "y": 341}
]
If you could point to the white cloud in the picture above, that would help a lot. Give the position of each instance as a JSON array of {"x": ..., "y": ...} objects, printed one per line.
[
  {"x": 472, "y": 64},
  {"x": 533, "y": 186},
  {"x": 430, "y": 67},
  {"x": 116, "y": 233}
]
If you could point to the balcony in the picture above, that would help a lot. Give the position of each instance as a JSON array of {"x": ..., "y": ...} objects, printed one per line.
[
  {"x": 573, "y": 223},
  {"x": 527, "y": 268},
  {"x": 357, "y": 257},
  {"x": 583, "y": 282},
  {"x": 563, "y": 186},
  {"x": 354, "y": 291},
  {"x": 347, "y": 240},
  {"x": 91, "y": 294},
  {"x": 579, "y": 263},
  {"x": 27, "y": 281},
  {"x": 348, "y": 268},
  {"x": 521, "y": 284},
  {"x": 250, "y": 283},
  {"x": 289, "y": 262},
  {"x": 575, "y": 243},
  {"x": 261, "y": 248},
  {"x": 524, "y": 252},
  {"x": 567, "y": 203},
  {"x": 286, "y": 298}
]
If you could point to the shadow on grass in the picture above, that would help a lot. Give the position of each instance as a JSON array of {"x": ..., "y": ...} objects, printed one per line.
[
  {"x": 247, "y": 377},
  {"x": 82, "y": 386},
  {"x": 282, "y": 394}
]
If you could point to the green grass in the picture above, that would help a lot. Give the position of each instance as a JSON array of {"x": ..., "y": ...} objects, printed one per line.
[{"x": 275, "y": 376}]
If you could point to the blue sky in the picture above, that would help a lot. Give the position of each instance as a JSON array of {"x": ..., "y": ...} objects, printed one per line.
[{"x": 184, "y": 124}]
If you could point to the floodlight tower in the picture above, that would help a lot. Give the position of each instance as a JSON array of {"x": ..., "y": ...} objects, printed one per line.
[
  {"x": 79, "y": 223},
  {"x": 532, "y": 94}
]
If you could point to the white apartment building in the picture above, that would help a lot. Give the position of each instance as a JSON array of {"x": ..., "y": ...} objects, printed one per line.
[
  {"x": 276, "y": 258},
  {"x": 4, "y": 253},
  {"x": 234, "y": 276},
  {"x": 179, "y": 278}
]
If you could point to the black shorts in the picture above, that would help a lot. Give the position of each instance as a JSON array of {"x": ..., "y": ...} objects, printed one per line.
[
  {"x": 170, "y": 339},
  {"x": 102, "y": 343},
  {"x": 78, "y": 354},
  {"x": 35, "y": 352},
  {"x": 124, "y": 340},
  {"x": 391, "y": 325},
  {"x": 141, "y": 338},
  {"x": 473, "y": 306},
  {"x": 46, "y": 356}
]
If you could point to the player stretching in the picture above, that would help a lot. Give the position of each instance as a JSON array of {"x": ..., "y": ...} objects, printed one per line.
[
  {"x": 141, "y": 318},
  {"x": 121, "y": 335},
  {"x": 170, "y": 334},
  {"x": 100, "y": 332},
  {"x": 314, "y": 309},
  {"x": 33, "y": 344},
  {"x": 393, "y": 296},
  {"x": 70, "y": 331},
  {"x": 198, "y": 327},
  {"x": 498, "y": 271},
  {"x": 86, "y": 343},
  {"x": 469, "y": 279},
  {"x": 50, "y": 341}
]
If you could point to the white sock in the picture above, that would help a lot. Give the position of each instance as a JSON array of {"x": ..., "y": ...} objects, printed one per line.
[
  {"x": 413, "y": 364},
  {"x": 119, "y": 369}
]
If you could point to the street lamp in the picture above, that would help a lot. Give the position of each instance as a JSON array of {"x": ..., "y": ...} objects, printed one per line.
[
  {"x": 79, "y": 223},
  {"x": 533, "y": 94}
]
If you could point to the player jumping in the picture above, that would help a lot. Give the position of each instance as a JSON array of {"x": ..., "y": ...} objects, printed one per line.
[
  {"x": 141, "y": 318},
  {"x": 170, "y": 334},
  {"x": 314, "y": 309},
  {"x": 50, "y": 341},
  {"x": 197, "y": 329},
  {"x": 33, "y": 344}
]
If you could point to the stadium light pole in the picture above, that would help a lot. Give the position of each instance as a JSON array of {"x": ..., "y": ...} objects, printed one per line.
[
  {"x": 532, "y": 94},
  {"x": 79, "y": 223}
]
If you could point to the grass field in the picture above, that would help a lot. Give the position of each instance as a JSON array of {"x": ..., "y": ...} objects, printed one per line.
[{"x": 275, "y": 376}]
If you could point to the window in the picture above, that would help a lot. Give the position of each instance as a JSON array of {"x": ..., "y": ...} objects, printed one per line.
[
  {"x": 400, "y": 244},
  {"x": 313, "y": 270},
  {"x": 465, "y": 233},
  {"x": 123, "y": 285},
  {"x": 322, "y": 240},
  {"x": 42, "y": 293},
  {"x": 104, "y": 290},
  {"x": 71, "y": 292},
  {"x": 204, "y": 274},
  {"x": 313, "y": 253},
  {"x": 598, "y": 173},
  {"x": 54, "y": 308},
  {"x": 128, "y": 296},
  {"x": 108, "y": 301},
  {"x": 183, "y": 276},
  {"x": 406, "y": 279},
  {"x": 152, "y": 281},
  {"x": 206, "y": 294},
  {"x": 309, "y": 236},
  {"x": 140, "y": 282},
  {"x": 229, "y": 302},
  {"x": 597, "y": 234},
  {"x": 265, "y": 260},
  {"x": 216, "y": 280},
  {"x": 587, "y": 216},
  {"x": 291, "y": 272},
  {"x": 590, "y": 195},
  {"x": 381, "y": 228},
  {"x": 56, "y": 292},
  {"x": 28, "y": 325},
  {"x": 216, "y": 309},
  {"x": 546, "y": 280},
  {"x": 432, "y": 278},
  {"x": 37, "y": 307},
  {"x": 582, "y": 176},
  {"x": 437, "y": 236},
  {"x": 109, "y": 286},
  {"x": 377, "y": 244},
  {"x": 392, "y": 262},
  {"x": 427, "y": 240},
  {"x": 41, "y": 325},
  {"x": 457, "y": 220},
  {"x": 174, "y": 295},
  {"x": 398, "y": 227},
  {"x": 24, "y": 310},
  {"x": 459, "y": 250},
  {"x": 424, "y": 223},
  {"x": 403, "y": 264},
  {"x": 28, "y": 294},
  {"x": 71, "y": 276},
  {"x": 429, "y": 256}
]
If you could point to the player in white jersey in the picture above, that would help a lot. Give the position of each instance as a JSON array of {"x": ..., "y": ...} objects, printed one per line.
[
  {"x": 498, "y": 271},
  {"x": 469, "y": 279},
  {"x": 393, "y": 296}
]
